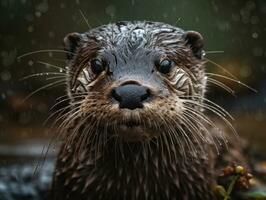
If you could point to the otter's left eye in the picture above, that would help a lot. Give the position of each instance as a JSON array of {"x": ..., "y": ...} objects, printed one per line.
[
  {"x": 165, "y": 66},
  {"x": 97, "y": 66}
]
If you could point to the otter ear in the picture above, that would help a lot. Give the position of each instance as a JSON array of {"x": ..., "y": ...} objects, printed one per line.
[
  {"x": 195, "y": 42},
  {"x": 71, "y": 42}
]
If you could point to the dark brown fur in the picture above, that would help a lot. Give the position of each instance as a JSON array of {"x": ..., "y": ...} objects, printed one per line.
[{"x": 176, "y": 154}]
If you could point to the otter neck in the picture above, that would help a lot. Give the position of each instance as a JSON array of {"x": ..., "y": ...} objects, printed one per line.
[{"x": 135, "y": 171}]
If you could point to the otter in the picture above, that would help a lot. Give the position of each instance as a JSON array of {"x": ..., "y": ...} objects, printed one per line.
[{"x": 137, "y": 128}]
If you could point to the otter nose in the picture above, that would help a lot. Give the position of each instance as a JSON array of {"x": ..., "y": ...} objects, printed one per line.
[{"x": 131, "y": 96}]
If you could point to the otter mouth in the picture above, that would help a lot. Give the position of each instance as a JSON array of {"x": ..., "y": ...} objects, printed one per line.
[
  {"x": 131, "y": 124},
  {"x": 132, "y": 131}
]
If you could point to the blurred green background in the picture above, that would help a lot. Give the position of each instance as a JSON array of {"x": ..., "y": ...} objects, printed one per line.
[{"x": 236, "y": 29}]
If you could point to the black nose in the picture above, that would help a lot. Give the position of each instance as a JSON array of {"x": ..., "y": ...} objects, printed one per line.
[{"x": 131, "y": 96}]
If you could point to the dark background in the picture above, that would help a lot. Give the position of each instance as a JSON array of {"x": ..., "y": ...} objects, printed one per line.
[{"x": 236, "y": 29}]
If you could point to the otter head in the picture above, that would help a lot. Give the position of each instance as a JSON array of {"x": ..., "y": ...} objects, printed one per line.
[{"x": 131, "y": 79}]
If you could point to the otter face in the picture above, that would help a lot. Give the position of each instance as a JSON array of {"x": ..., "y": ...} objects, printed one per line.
[{"x": 130, "y": 79}]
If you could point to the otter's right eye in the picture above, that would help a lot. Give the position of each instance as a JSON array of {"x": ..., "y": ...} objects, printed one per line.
[
  {"x": 165, "y": 66},
  {"x": 97, "y": 66}
]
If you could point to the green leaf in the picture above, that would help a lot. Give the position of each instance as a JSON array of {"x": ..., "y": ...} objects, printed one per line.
[{"x": 258, "y": 195}]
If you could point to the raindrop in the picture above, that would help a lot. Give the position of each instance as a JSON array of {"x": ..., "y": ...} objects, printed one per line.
[
  {"x": 250, "y": 5},
  {"x": 8, "y": 58},
  {"x": 33, "y": 41},
  {"x": 42, "y": 7},
  {"x": 62, "y": 5},
  {"x": 38, "y": 14},
  {"x": 30, "y": 29},
  {"x": 257, "y": 51},
  {"x": 3, "y": 96},
  {"x": 224, "y": 26},
  {"x": 255, "y": 35},
  {"x": 165, "y": 15},
  {"x": 30, "y": 63},
  {"x": 110, "y": 10},
  {"x": 5, "y": 76},
  {"x": 51, "y": 34}
]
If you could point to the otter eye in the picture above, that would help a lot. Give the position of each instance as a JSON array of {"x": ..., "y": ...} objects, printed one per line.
[
  {"x": 97, "y": 66},
  {"x": 165, "y": 66}
]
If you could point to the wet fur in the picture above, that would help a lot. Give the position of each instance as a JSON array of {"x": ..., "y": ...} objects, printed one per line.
[{"x": 180, "y": 160}]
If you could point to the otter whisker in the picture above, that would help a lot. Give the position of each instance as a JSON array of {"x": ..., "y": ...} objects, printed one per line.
[
  {"x": 78, "y": 95},
  {"x": 163, "y": 135},
  {"x": 60, "y": 60},
  {"x": 99, "y": 135},
  {"x": 62, "y": 109},
  {"x": 173, "y": 132},
  {"x": 208, "y": 107},
  {"x": 171, "y": 136},
  {"x": 213, "y": 52},
  {"x": 77, "y": 137},
  {"x": 61, "y": 69},
  {"x": 105, "y": 133},
  {"x": 56, "y": 77},
  {"x": 198, "y": 114},
  {"x": 44, "y": 51},
  {"x": 208, "y": 132},
  {"x": 157, "y": 127},
  {"x": 188, "y": 142},
  {"x": 222, "y": 85},
  {"x": 66, "y": 126},
  {"x": 221, "y": 67},
  {"x": 50, "y": 85},
  {"x": 52, "y": 140},
  {"x": 217, "y": 114},
  {"x": 205, "y": 118},
  {"x": 65, "y": 98},
  {"x": 58, "y": 102},
  {"x": 68, "y": 117},
  {"x": 86, "y": 133},
  {"x": 62, "y": 96},
  {"x": 195, "y": 131},
  {"x": 42, "y": 74},
  {"x": 56, "y": 112},
  {"x": 204, "y": 128},
  {"x": 84, "y": 18},
  {"x": 42, "y": 159},
  {"x": 233, "y": 80},
  {"x": 114, "y": 126},
  {"x": 84, "y": 137},
  {"x": 218, "y": 108}
]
